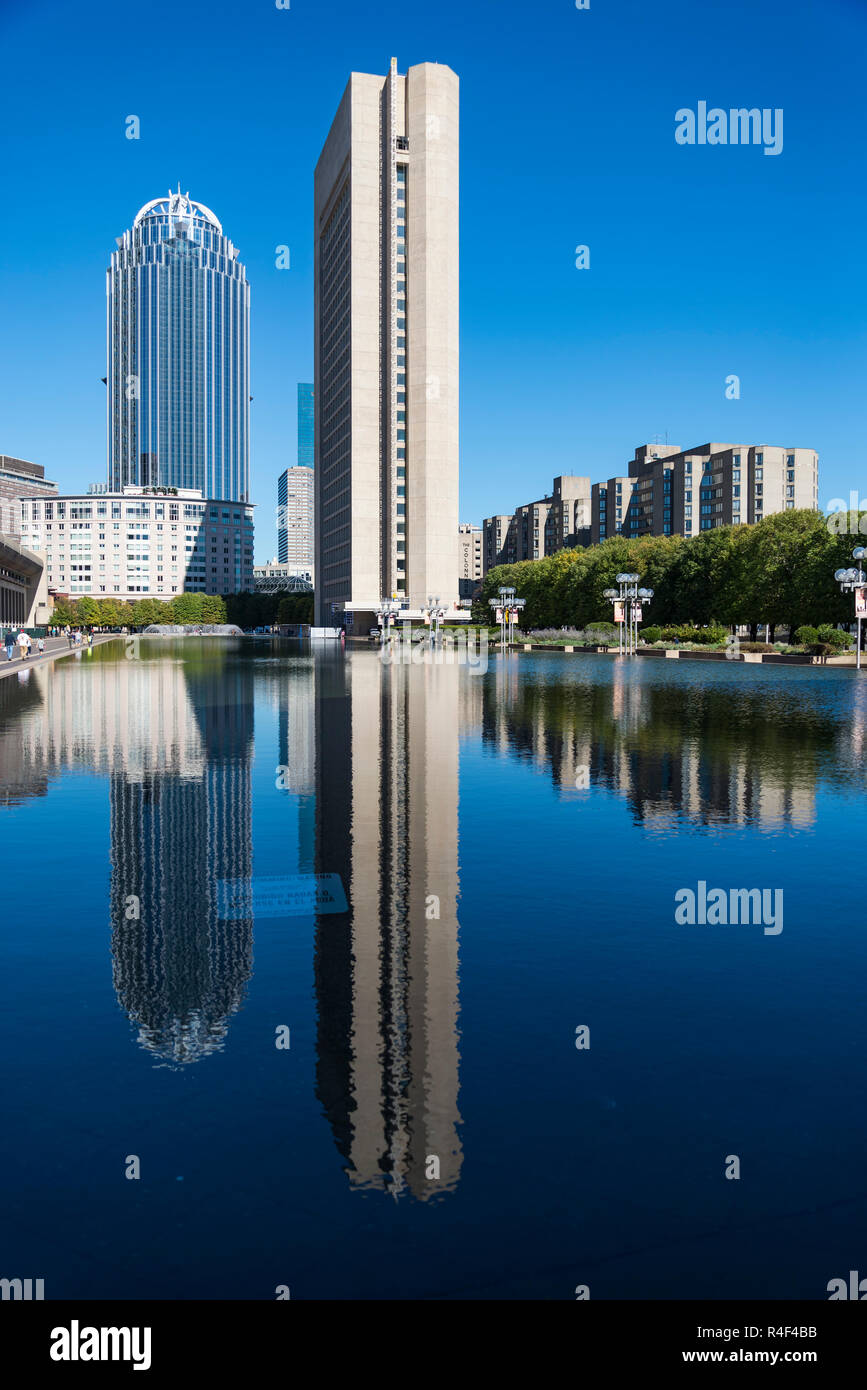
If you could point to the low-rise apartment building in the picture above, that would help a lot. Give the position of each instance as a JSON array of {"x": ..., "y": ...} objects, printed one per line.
[
  {"x": 540, "y": 528},
  {"x": 685, "y": 491},
  {"x": 666, "y": 492},
  {"x": 609, "y": 503}
]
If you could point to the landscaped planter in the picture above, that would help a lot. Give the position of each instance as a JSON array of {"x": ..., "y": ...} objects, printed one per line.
[
  {"x": 556, "y": 647},
  {"x": 708, "y": 656},
  {"x": 788, "y": 659}
]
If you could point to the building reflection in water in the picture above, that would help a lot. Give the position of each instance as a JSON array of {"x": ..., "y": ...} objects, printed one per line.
[
  {"x": 372, "y": 757},
  {"x": 175, "y": 743},
  {"x": 180, "y": 823},
  {"x": 24, "y": 772},
  {"x": 706, "y": 755},
  {"x": 296, "y": 735},
  {"x": 386, "y": 973}
]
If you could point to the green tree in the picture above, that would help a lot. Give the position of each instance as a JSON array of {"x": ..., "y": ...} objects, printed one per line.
[
  {"x": 88, "y": 610},
  {"x": 187, "y": 608},
  {"x": 790, "y": 570},
  {"x": 108, "y": 612},
  {"x": 696, "y": 585},
  {"x": 145, "y": 612},
  {"x": 779, "y": 571},
  {"x": 65, "y": 612},
  {"x": 213, "y": 609},
  {"x": 295, "y": 608}
]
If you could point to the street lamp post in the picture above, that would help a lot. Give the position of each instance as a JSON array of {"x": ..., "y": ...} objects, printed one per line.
[
  {"x": 386, "y": 613},
  {"x": 855, "y": 580},
  {"x": 435, "y": 615},
  {"x": 627, "y": 602},
  {"x": 508, "y": 607}
]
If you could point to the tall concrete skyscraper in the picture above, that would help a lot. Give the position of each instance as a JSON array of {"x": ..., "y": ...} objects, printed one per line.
[
  {"x": 178, "y": 329},
  {"x": 386, "y": 374}
]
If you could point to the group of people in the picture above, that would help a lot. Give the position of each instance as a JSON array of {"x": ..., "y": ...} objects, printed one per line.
[{"x": 25, "y": 644}]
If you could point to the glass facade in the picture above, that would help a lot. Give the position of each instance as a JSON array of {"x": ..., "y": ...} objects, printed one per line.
[
  {"x": 178, "y": 316},
  {"x": 305, "y": 424}
]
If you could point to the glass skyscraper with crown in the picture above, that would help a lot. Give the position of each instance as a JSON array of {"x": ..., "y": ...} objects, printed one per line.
[{"x": 178, "y": 330}]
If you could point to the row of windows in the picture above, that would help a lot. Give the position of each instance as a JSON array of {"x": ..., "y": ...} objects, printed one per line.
[{"x": 87, "y": 513}]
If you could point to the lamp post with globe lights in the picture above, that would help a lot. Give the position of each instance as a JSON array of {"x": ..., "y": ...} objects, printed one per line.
[
  {"x": 507, "y": 608},
  {"x": 386, "y": 613},
  {"x": 855, "y": 580},
  {"x": 434, "y": 615},
  {"x": 627, "y": 602}
]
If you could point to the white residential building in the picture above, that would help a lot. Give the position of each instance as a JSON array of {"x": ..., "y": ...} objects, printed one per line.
[{"x": 140, "y": 541}]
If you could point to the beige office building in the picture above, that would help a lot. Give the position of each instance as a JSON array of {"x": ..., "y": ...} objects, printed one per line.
[
  {"x": 470, "y": 569},
  {"x": 386, "y": 346}
]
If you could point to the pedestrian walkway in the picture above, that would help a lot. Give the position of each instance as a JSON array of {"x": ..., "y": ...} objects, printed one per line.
[{"x": 54, "y": 647}]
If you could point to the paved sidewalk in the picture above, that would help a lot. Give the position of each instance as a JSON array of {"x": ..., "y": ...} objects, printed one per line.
[{"x": 54, "y": 647}]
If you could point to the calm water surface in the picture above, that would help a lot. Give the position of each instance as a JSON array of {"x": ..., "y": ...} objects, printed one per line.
[{"x": 509, "y": 845}]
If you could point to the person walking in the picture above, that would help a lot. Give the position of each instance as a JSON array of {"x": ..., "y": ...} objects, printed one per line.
[
  {"x": 9, "y": 642},
  {"x": 40, "y": 646},
  {"x": 22, "y": 644},
  {"x": 90, "y": 639}
]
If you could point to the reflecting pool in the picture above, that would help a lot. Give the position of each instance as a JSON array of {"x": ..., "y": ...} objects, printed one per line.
[{"x": 373, "y": 974}]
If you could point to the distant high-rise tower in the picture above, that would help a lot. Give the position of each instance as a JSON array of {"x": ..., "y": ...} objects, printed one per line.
[
  {"x": 178, "y": 354},
  {"x": 386, "y": 342},
  {"x": 295, "y": 493},
  {"x": 295, "y": 513},
  {"x": 305, "y": 424},
  {"x": 282, "y": 540}
]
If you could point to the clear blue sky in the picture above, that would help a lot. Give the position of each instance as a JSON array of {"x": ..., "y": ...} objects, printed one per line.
[{"x": 705, "y": 261}]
